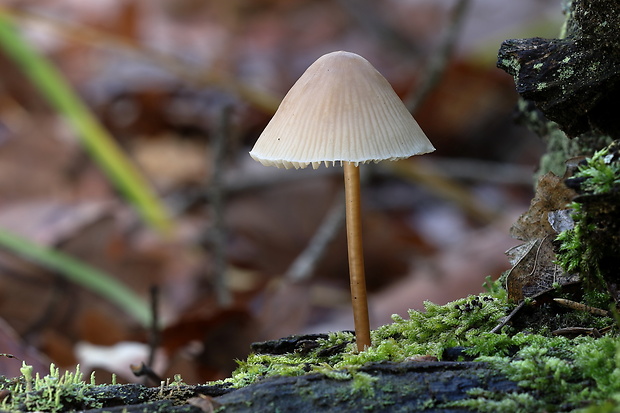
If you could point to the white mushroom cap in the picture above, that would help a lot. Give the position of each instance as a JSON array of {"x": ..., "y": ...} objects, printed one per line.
[{"x": 340, "y": 109}]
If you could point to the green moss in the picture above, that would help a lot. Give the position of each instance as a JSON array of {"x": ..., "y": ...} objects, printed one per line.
[
  {"x": 485, "y": 401},
  {"x": 363, "y": 383},
  {"x": 51, "y": 393},
  {"x": 591, "y": 241},
  {"x": 424, "y": 333},
  {"x": 70, "y": 391},
  {"x": 495, "y": 288},
  {"x": 559, "y": 374},
  {"x": 567, "y": 72},
  {"x": 514, "y": 64},
  {"x": 600, "y": 175},
  {"x": 438, "y": 328},
  {"x": 554, "y": 373}
]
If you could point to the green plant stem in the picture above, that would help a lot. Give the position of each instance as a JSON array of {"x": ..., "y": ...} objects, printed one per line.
[
  {"x": 80, "y": 273},
  {"x": 356, "y": 255},
  {"x": 93, "y": 136}
]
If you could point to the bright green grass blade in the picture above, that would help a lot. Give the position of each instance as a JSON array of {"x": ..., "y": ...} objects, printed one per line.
[
  {"x": 93, "y": 136},
  {"x": 80, "y": 273}
]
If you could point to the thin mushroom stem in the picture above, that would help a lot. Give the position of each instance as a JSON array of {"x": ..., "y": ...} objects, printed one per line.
[{"x": 356, "y": 255}]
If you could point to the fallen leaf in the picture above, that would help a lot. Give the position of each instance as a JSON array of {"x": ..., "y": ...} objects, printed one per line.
[
  {"x": 534, "y": 267},
  {"x": 551, "y": 195}
]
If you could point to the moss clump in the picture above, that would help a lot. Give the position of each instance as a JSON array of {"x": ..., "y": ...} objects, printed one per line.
[
  {"x": 54, "y": 392},
  {"x": 424, "y": 333},
  {"x": 592, "y": 247},
  {"x": 554, "y": 373}
]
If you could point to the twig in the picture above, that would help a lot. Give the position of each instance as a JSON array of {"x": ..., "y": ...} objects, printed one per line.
[
  {"x": 436, "y": 180},
  {"x": 577, "y": 331},
  {"x": 483, "y": 171},
  {"x": 216, "y": 194},
  {"x": 443, "y": 187},
  {"x": 506, "y": 319},
  {"x": 581, "y": 307},
  {"x": 154, "y": 338},
  {"x": 140, "y": 370},
  {"x": 439, "y": 62},
  {"x": 274, "y": 177},
  {"x": 304, "y": 265}
]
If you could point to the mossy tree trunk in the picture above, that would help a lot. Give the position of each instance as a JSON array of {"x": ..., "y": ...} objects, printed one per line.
[
  {"x": 570, "y": 86},
  {"x": 570, "y": 90}
]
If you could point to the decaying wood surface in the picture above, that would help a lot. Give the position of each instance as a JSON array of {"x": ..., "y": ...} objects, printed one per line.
[
  {"x": 573, "y": 80},
  {"x": 394, "y": 387}
]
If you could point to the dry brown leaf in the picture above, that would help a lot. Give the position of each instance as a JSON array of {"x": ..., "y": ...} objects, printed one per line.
[
  {"x": 534, "y": 269},
  {"x": 551, "y": 195}
]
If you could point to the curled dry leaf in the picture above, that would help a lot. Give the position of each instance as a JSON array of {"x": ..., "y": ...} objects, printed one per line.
[
  {"x": 533, "y": 263},
  {"x": 551, "y": 195},
  {"x": 534, "y": 269}
]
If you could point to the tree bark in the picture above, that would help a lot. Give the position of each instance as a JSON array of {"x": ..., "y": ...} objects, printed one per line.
[
  {"x": 394, "y": 387},
  {"x": 574, "y": 81},
  {"x": 570, "y": 86}
]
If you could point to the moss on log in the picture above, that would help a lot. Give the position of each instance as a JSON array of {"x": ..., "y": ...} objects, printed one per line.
[{"x": 382, "y": 387}]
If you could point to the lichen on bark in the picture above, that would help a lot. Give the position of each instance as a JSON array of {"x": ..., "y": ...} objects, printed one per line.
[{"x": 574, "y": 80}]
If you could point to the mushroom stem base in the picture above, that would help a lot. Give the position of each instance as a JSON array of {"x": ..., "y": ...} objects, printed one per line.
[{"x": 356, "y": 255}]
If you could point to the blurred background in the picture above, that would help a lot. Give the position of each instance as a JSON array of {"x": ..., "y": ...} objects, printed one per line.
[{"x": 183, "y": 88}]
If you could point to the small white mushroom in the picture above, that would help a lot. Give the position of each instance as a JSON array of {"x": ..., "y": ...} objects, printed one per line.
[{"x": 342, "y": 111}]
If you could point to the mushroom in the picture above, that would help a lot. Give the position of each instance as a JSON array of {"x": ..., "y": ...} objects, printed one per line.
[{"x": 342, "y": 110}]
